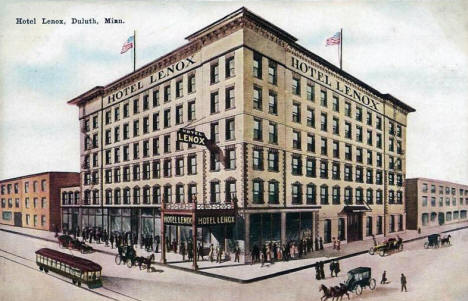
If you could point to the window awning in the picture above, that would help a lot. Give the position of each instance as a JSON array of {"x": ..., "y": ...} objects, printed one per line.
[{"x": 355, "y": 209}]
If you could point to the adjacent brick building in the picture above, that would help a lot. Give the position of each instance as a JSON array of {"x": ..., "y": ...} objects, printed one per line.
[
  {"x": 33, "y": 201},
  {"x": 432, "y": 202}
]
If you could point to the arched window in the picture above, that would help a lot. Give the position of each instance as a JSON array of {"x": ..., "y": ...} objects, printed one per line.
[
  {"x": 273, "y": 192},
  {"x": 180, "y": 193},
  {"x": 348, "y": 195},
  {"x": 64, "y": 198},
  {"x": 126, "y": 195},
  {"x": 117, "y": 196},
  {"x": 108, "y": 196},
  {"x": 296, "y": 191},
  {"x": 215, "y": 192},
  {"x": 95, "y": 197},
  {"x": 146, "y": 194},
  {"x": 257, "y": 186},
  {"x": 35, "y": 186},
  {"x": 336, "y": 195},
  {"x": 168, "y": 194},
  {"x": 324, "y": 194},
  {"x": 370, "y": 196},
  {"x": 359, "y": 196},
  {"x": 156, "y": 194},
  {"x": 87, "y": 197},
  {"x": 77, "y": 197},
  {"x": 311, "y": 194},
  {"x": 136, "y": 195}
]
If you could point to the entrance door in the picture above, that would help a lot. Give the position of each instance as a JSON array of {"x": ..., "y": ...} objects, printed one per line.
[
  {"x": 18, "y": 219},
  {"x": 74, "y": 220},
  {"x": 354, "y": 226}
]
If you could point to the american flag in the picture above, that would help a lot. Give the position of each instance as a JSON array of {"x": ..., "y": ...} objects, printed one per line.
[
  {"x": 335, "y": 40},
  {"x": 127, "y": 45}
]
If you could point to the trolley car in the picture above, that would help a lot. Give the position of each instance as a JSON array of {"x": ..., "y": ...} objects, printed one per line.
[{"x": 78, "y": 269}]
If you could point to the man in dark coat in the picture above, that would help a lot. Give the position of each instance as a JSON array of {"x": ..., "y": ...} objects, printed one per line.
[
  {"x": 317, "y": 271},
  {"x": 237, "y": 254},
  {"x": 403, "y": 282},
  {"x": 156, "y": 239},
  {"x": 200, "y": 252},
  {"x": 321, "y": 243},
  {"x": 112, "y": 240},
  {"x": 384, "y": 278},
  {"x": 337, "y": 268},
  {"x": 316, "y": 243},
  {"x": 332, "y": 268},
  {"x": 322, "y": 271}
]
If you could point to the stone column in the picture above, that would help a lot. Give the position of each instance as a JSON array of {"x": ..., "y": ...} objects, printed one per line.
[
  {"x": 283, "y": 227},
  {"x": 247, "y": 239}
]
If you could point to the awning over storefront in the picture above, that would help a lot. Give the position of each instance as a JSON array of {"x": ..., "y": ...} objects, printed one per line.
[{"x": 355, "y": 209}]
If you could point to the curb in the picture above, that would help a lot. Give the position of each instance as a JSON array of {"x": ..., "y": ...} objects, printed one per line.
[{"x": 255, "y": 279}]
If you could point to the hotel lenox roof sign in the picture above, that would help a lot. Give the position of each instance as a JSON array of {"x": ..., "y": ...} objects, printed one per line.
[
  {"x": 334, "y": 84},
  {"x": 151, "y": 80}
]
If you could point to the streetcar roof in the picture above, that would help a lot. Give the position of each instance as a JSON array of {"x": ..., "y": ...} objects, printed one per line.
[{"x": 84, "y": 265}]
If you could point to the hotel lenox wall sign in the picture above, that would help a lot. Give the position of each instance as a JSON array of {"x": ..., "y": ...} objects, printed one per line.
[
  {"x": 155, "y": 78},
  {"x": 333, "y": 83}
]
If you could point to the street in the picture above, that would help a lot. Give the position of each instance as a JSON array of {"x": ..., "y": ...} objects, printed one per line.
[{"x": 432, "y": 274}]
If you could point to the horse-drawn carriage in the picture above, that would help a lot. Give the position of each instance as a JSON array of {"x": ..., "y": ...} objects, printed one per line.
[
  {"x": 66, "y": 241},
  {"x": 433, "y": 241},
  {"x": 389, "y": 246},
  {"x": 358, "y": 279},
  {"x": 127, "y": 255}
]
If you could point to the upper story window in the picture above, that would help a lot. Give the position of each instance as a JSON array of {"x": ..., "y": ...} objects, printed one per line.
[
  {"x": 155, "y": 98},
  {"x": 214, "y": 73},
  {"x": 191, "y": 83},
  {"x": 310, "y": 91},
  {"x": 214, "y": 102},
  {"x": 336, "y": 103},
  {"x": 179, "y": 88},
  {"x": 191, "y": 110},
  {"x": 257, "y": 98},
  {"x": 230, "y": 67},
  {"x": 296, "y": 112},
  {"x": 230, "y": 98},
  {"x": 272, "y": 72},
  {"x": 167, "y": 93},
  {"x": 348, "y": 109},
  {"x": 323, "y": 98},
  {"x": 257, "y": 65},
  {"x": 359, "y": 114},
  {"x": 296, "y": 86},
  {"x": 273, "y": 103}
]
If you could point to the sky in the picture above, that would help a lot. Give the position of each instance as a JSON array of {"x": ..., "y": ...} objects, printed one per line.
[{"x": 414, "y": 50}]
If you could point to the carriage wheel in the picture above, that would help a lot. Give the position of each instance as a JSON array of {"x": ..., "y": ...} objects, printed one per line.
[
  {"x": 382, "y": 253},
  {"x": 74, "y": 282},
  {"x": 61, "y": 245},
  {"x": 79, "y": 283},
  {"x": 41, "y": 269},
  {"x": 46, "y": 270},
  {"x": 129, "y": 263},
  {"x": 358, "y": 289},
  {"x": 372, "y": 284},
  {"x": 118, "y": 260},
  {"x": 371, "y": 251},
  {"x": 426, "y": 245},
  {"x": 400, "y": 247}
]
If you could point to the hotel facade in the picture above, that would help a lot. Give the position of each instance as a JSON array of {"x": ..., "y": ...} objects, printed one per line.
[
  {"x": 431, "y": 203},
  {"x": 33, "y": 201},
  {"x": 301, "y": 146}
]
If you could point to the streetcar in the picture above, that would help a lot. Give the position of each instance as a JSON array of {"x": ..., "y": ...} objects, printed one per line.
[{"x": 78, "y": 269}]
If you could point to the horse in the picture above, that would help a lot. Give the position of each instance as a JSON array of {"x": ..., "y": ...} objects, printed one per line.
[
  {"x": 145, "y": 261},
  {"x": 341, "y": 291},
  {"x": 327, "y": 293},
  {"x": 445, "y": 240}
]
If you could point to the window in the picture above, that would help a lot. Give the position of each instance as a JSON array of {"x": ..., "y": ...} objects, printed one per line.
[
  {"x": 191, "y": 83},
  {"x": 231, "y": 193},
  {"x": 310, "y": 117},
  {"x": 296, "y": 86},
  {"x": 146, "y": 195},
  {"x": 359, "y": 176},
  {"x": 192, "y": 192},
  {"x": 379, "y": 140},
  {"x": 379, "y": 224},
  {"x": 399, "y": 130},
  {"x": 379, "y": 160},
  {"x": 310, "y": 91},
  {"x": 369, "y": 226},
  {"x": 369, "y": 196},
  {"x": 167, "y": 118},
  {"x": 126, "y": 131},
  {"x": 323, "y": 121},
  {"x": 273, "y": 133},
  {"x": 272, "y": 72},
  {"x": 273, "y": 161},
  {"x": 167, "y": 143},
  {"x": 95, "y": 122},
  {"x": 336, "y": 170},
  {"x": 257, "y": 98},
  {"x": 336, "y": 126},
  {"x": 230, "y": 159},
  {"x": 179, "y": 114},
  {"x": 167, "y": 168},
  {"x": 369, "y": 118},
  {"x": 327, "y": 231},
  {"x": 348, "y": 130},
  {"x": 359, "y": 133},
  {"x": 230, "y": 129},
  {"x": 324, "y": 169},
  {"x": 214, "y": 103},
  {"x": 336, "y": 195},
  {"x": 369, "y": 176},
  {"x": 257, "y": 129},
  {"x": 310, "y": 167},
  {"x": 296, "y": 191},
  {"x": 257, "y": 159},
  {"x": 296, "y": 142},
  {"x": 179, "y": 89},
  {"x": 257, "y": 65},
  {"x": 348, "y": 196},
  {"x": 272, "y": 103},
  {"x": 378, "y": 122},
  {"x": 155, "y": 98},
  {"x": 117, "y": 175},
  {"x": 145, "y": 102},
  {"x": 323, "y": 98},
  {"x": 214, "y": 161},
  {"x": 296, "y": 165},
  {"x": 43, "y": 186},
  {"x": 230, "y": 100},
  {"x": 156, "y": 169},
  {"x": 167, "y": 93},
  {"x": 296, "y": 112},
  {"x": 358, "y": 113},
  {"x": 229, "y": 67},
  {"x": 323, "y": 146},
  {"x": 136, "y": 172},
  {"x": 324, "y": 195},
  {"x": 336, "y": 104},
  {"x": 359, "y": 196},
  {"x": 136, "y": 150},
  {"x": 136, "y": 128},
  {"x": 311, "y": 143},
  {"x": 378, "y": 177},
  {"x": 348, "y": 109},
  {"x": 348, "y": 152},
  {"x": 348, "y": 173},
  {"x": 359, "y": 155},
  {"x": 257, "y": 191},
  {"x": 179, "y": 193},
  {"x": 273, "y": 192},
  {"x": 378, "y": 197},
  {"x": 179, "y": 166},
  {"x": 214, "y": 73},
  {"x": 192, "y": 165},
  {"x": 214, "y": 130},
  {"x": 155, "y": 146},
  {"x": 167, "y": 193},
  {"x": 191, "y": 110}
]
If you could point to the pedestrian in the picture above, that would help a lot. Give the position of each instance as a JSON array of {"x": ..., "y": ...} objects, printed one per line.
[
  {"x": 56, "y": 230},
  {"x": 316, "y": 243},
  {"x": 112, "y": 240},
  {"x": 332, "y": 268},
  {"x": 106, "y": 238},
  {"x": 262, "y": 258},
  {"x": 237, "y": 254},
  {"x": 190, "y": 250},
  {"x": 268, "y": 253},
  {"x": 211, "y": 253},
  {"x": 317, "y": 271},
  {"x": 151, "y": 243},
  {"x": 156, "y": 238},
  {"x": 334, "y": 243},
  {"x": 374, "y": 240},
  {"x": 322, "y": 270},
  {"x": 182, "y": 250},
  {"x": 403, "y": 282},
  {"x": 200, "y": 252},
  {"x": 255, "y": 254},
  {"x": 218, "y": 254},
  {"x": 384, "y": 278},
  {"x": 337, "y": 268},
  {"x": 338, "y": 244},
  {"x": 419, "y": 230},
  {"x": 90, "y": 237},
  {"x": 321, "y": 243}
]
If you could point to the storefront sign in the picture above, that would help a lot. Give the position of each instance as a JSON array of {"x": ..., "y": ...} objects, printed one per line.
[
  {"x": 192, "y": 137},
  {"x": 201, "y": 221},
  {"x": 333, "y": 83}
]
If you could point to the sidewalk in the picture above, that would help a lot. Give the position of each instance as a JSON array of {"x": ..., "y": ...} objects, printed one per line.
[{"x": 245, "y": 273}]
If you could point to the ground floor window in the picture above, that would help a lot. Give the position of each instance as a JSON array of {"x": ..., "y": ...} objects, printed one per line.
[
  {"x": 455, "y": 215},
  {"x": 369, "y": 226},
  {"x": 424, "y": 219},
  {"x": 448, "y": 216},
  {"x": 433, "y": 216},
  {"x": 341, "y": 228},
  {"x": 463, "y": 214},
  {"x": 264, "y": 228},
  {"x": 6, "y": 215},
  {"x": 379, "y": 224},
  {"x": 327, "y": 231},
  {"x": 392, "y": 223}
]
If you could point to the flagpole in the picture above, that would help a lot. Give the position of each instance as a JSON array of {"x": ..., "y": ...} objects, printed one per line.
[
  {"x": 134, "y": 50},
  {"x": 341, "y": 49}
]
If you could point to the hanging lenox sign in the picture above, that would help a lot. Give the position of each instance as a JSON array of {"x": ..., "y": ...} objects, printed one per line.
[
  {"x": 334, "y": 84},
  {"x": 152, "y": 79}
]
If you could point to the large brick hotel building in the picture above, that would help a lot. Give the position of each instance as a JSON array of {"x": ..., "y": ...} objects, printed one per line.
[{"x": 303, "y": 146}]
